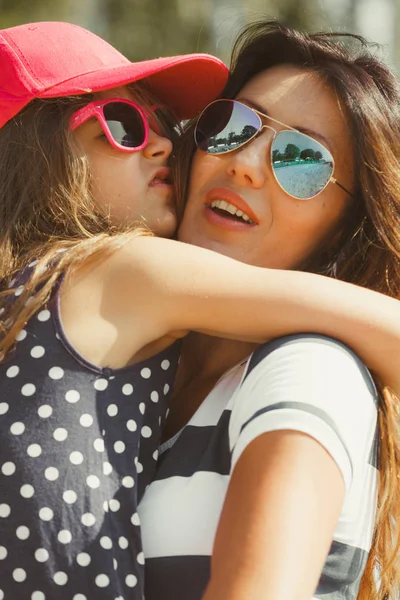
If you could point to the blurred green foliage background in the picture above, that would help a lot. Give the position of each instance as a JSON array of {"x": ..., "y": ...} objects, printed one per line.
[{"x": 149, "y": 28}]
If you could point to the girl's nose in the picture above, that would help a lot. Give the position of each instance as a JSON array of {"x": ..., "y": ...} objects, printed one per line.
[{"x": 158, "y": 146}]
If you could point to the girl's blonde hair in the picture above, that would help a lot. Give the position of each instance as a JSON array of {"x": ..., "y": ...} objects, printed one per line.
[
  {"x": 48, "y": 218},
  {"x": 366, "y": 251}
]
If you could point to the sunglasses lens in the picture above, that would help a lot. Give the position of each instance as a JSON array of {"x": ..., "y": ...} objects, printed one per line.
[
  {"x": 125, "y": 124},
  {"x": 224, "y": 126},
  {"x": 302, "y": 166}
]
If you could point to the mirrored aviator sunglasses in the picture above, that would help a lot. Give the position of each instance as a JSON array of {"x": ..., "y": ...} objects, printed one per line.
[
  {"x": 124, "y": 123},
  {"x": 301, "y": 165}
]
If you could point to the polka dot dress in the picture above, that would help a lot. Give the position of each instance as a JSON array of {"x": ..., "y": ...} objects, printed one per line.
[{"x": 78, "y": 446}]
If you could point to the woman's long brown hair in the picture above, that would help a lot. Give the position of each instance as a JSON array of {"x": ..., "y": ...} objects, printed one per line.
[
  {"x": 48, "y": 218},
  {"x": 366, "y": 251}
]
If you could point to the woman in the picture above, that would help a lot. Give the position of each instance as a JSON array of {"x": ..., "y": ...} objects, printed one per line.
[
  {"x": 268, "y": 480},
  {"x": 92, "y": 310}
]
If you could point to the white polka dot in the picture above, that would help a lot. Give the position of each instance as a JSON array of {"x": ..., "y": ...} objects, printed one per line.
[
  {"x": 3, "y": 553},
  {"x": 1, "y": 595},
  {"x": 131, "y": 425},
  {"x": 44, "y": 315},
  {"x": 154, "y": 396},
  {"x": 22, "y": 532},
  {"x": 41, "y": 555},
  {"x": 128, "y": 481},
  {"x": 38, "y": 596},
  {"x": 76, "y": 457},
  {"x": 166, "y": 389},
  {"x": 51, "y": 473},
  {"x": 101, "y": 385},
  {"x": 123, "y": 542},
  {"x": 70, "y": 497},
  {"x": 102, "y": 580},
  {"x": 140, "y": 558},
  {"x": 135, "y": 519},
  {"x": 93, "y": 481},
  {"x": 64, "y": 536},
  {"x": 88, "y": 519},
  {"x": 119, "y": 447},
  {"x": 8, "y": 468},
  {"x": 19, "y": 290},
  {"x": 60, "y": 434},
  {"x": 72, "y": 396},
  {"x": 130, "y": 581},
  {"x": 79, "y": 597},
  {"x": 83, "y": 559},
  {"x": 56, "y": 373},
  {"x": 21, "y": 335},
  {"x": 4, "y": 510},
  {"x": 106, "y": 542},
  {"x": 37, "y": 352},
  {"x": 98, "y": 445},
  {"x": 114, "y": 505},
  {"x": 145, "y": 373},
  {"x": 146, "y": 431},
  {"x": 46, "y": 514},
  {"x": 155, "y": 454},
  {"x": 112, "y": 410},
  {"x": 115, "y": 564},
  {"x": 127, "y": 389},
  {"x": 19, "y": 575},
  {"x": 139, "y": 467},
  {"x": 28, "y": 389},
  {"x": 33, "y": 263},
  {"x": 107, "y": 468},
  {"x": 105, "y": 506},
  {"x": 60, "y": 578},
  {"x": 17, "y": 428},
  {"x": 45, "y": 411},
  {"x": 27, "y": 491},
  {"x": 165, "y": 365},
  {"x": 3, "y": 408},
  {"x": 86, "y": 420},
  {"x": 142, "y": 407},
  {"x": 34, "y": 450},
  {"x": 12, "y": 371}
]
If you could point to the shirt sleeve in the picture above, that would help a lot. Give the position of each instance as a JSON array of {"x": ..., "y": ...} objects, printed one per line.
[{"x": 311, "y": 384}]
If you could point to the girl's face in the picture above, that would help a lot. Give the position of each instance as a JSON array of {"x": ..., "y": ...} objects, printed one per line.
[
  {"x": 283, "y": 231},
  {"x": 130, "y": 186}
]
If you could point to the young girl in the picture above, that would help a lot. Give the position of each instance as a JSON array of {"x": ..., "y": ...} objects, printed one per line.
[{"x": 92, "y": 310}]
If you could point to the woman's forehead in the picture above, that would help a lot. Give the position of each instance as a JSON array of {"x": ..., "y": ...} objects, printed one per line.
[{"x": 300, "y": 98}]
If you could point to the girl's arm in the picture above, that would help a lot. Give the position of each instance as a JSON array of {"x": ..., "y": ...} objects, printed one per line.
[
  {"x": 197, "y": 289},
  {"x": 152, "y": 287}
]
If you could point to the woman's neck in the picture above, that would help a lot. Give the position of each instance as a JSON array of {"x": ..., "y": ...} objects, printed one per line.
[{"x": 206, "y": 357}]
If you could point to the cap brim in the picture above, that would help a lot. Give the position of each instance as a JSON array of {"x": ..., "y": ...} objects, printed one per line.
[{"x": 186, "y": 84}]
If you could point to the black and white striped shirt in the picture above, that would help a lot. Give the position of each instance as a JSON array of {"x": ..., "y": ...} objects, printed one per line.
[{"x": 306, "y": 383}]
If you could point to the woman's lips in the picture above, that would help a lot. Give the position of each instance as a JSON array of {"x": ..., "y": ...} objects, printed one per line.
[{"x": 230, "y": 200}]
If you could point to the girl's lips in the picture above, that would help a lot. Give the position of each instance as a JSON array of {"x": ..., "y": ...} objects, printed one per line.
[{"x": 162, "y": 178}]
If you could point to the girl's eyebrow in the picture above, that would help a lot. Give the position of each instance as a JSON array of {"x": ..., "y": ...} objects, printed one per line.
[{"x": 305, "y": 130}]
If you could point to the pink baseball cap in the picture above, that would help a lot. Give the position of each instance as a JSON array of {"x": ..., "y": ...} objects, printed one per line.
[{"x": 50, "y": 59}]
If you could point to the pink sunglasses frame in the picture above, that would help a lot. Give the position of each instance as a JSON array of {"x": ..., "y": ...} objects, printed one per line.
[{"x": 96, "y": 109}]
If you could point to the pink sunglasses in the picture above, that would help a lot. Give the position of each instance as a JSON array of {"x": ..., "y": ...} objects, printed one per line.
[{"x": 124, "y": 123}]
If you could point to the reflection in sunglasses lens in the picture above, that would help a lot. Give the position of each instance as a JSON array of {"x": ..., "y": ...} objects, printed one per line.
[
  {"x": 224, "y": 126},
  {"x": 125, "y": 124},
  {"x": 302, "y": 166}
]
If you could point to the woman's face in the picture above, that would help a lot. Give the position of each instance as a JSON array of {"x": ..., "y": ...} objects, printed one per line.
[
  {"x": 130, "y": 186},
  {"x": 285, "y": 231}
]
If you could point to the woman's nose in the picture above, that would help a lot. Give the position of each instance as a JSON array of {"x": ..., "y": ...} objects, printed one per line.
[
  {"x": 158, "y": 146},
  {"x": 249, "y": 165}
]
